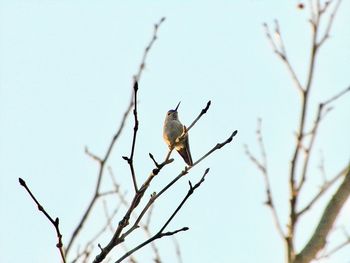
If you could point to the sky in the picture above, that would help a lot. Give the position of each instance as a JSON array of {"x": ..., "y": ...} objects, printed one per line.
[{"x": 66, "y": 72}]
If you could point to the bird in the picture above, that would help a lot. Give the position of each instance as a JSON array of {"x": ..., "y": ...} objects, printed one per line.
[{"x": 172, "y": 130}]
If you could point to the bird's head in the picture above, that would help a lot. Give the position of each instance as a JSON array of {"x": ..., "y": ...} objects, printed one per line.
[{"x": 172, "y": 114}]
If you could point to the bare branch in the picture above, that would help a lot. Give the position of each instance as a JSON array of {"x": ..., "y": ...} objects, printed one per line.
[
  {"x": 160, "y": 233},
  {"x": 262, "y": 166},
  {"x": 117, "y": 237},
  {"x": 155, "y": 196},
  {"x": 323, "y": 189},
  {"x": 318, "y": 239},
  {"x": 330, "y": 21},
  {"x": 92, "y": 156},
  {"x": 186, "y": 130},
  {"x": 55, "y": 222},
  {"x": 147, "y": 49},
  {"x": 319, "y": 116},
  {"x": 280, "y": 51},
  {"x": 177, "y": 248},
  {"x": 203, "y": 111},
  {"x": 336, "y": 248},
  {"x": 130, "y": 159},
  {"x": 337, "y": 96},
  {"x": 114, "y": 139},
  {"x": 99, "y": 179}
]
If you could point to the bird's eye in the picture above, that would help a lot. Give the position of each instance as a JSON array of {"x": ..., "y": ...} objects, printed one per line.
[{"x": 168, "y": 113}]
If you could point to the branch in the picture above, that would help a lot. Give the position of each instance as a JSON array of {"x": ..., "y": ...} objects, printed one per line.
[
  {"x": 280, "y": 51},
  {"x": 330, "y": 21},
  {"x": 337, "y": 248},
  {"x": 117, "y": 237},
  {"x": 114, "y": 139},
  {"x": 184, "y": 172},
  {"x": 203, "y": 111},
  {"x": 160, "y": 233},
  {"x": 147, "y": 49},
  {"x": 318, "y": 239},
  {"x": 319, "y": 116},
  {"x": 262, "y": 166},
  {"x": 186, "y": 130},
  {"x": 178, "y": 251},
  {"x": 130, "y": 159},
  {"x": 55, "y": 222},
  {"x": 324, "y": 188},
  {"x": 99, "y": 178}
]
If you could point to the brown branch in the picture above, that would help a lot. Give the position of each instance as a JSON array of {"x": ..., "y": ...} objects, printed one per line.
[
  {"x": 203, "y": 111},
  {"x": 125, "y": 221},
  {"x": 99, "y": 178},
  {"x": 282, "y": 54},
  {"x": 155, "y": 196},
  {"x": 117, "y": 237},
  {"x": 318, "y": 239},
  {"x": 336, "y": 248},
  {"x": 160, "y": 233},
  {"x": 262, "y": 166},
  {"x": 319, "y": 116},
  {"x": 316, "y": 14},
  {"x": 102, "y": 163},
  {"x": 130, "y": 159},
  {"x": 147, "y": 49},
  {"x": 177, "y": 248},
  {"x": 92, "y": 156},
  {"x": 330, "y": 21},
  {"x": 55, "y": 222},
  {"x": 323, "y": 189},
  {"x": 145, "y": 226}
]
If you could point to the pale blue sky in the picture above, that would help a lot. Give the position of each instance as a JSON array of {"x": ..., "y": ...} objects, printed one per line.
[{"x": 65, "y": 77}]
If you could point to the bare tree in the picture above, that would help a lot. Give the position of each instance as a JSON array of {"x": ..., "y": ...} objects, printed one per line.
[
  {"x": 133, "y": 218},
  {"x": 303, "y": 149}
]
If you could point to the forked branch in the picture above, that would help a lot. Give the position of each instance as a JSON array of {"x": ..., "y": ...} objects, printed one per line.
[{"x": 161, "y": 232}]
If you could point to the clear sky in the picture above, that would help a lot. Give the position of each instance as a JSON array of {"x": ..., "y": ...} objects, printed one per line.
[{"x": 65, "y": 80}]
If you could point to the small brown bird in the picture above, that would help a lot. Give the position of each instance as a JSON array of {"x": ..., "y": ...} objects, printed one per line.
[{"x": 172, "y": 130}]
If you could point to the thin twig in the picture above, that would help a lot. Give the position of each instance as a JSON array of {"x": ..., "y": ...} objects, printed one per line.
[
  {"x": 130, "y": 159},
  {"x": 203, "y": 111},
  {"x": 262, "y": 166},
  {"x": 330, "y": 21},
  {"x": 282, "y": 54},
  {"x": 147, "y": 49},
  {"x": 177, "y": 249},
  {"x": 319, "y": 116},
  {"x": 55, "y": 222},
  {"x": 160, "y": 233}
]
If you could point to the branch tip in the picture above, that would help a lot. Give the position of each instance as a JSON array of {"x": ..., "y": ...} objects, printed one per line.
[{"x": 21, "y": 181}]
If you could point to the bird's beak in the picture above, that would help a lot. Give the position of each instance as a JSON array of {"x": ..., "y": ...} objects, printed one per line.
[{"x": 177, "y": 106}]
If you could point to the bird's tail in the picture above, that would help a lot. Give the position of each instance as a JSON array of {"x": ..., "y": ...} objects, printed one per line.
[{"x": 185, "y": 153}]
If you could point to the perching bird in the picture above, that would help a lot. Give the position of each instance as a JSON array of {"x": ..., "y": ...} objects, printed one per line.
[{"x": 172, "y": 130}]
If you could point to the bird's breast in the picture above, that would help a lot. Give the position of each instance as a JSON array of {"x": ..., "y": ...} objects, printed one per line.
[{"x": 172, "y": 130}]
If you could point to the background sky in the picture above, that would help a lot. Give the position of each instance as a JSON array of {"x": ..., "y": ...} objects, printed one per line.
[{"x": 66, "y": 72}]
